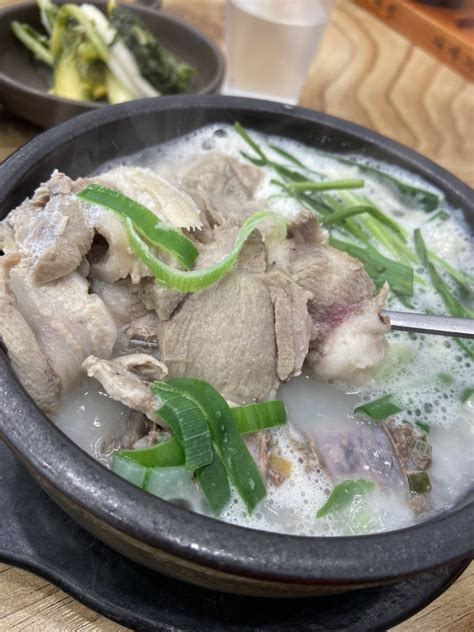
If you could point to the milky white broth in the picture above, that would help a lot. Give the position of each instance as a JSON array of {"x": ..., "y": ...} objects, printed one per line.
[{"x": 427, "y": 374}]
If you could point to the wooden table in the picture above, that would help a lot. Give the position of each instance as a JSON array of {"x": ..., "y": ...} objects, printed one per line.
[{"x": 363, "y": 72}]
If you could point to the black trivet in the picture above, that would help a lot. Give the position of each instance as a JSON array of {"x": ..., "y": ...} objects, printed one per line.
[{"x": 36, "y": 535}]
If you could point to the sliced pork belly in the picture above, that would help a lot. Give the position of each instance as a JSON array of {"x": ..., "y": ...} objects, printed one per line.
[
  {"x": 68, "y": 322},
  {"x": 221, "y": 187},
  {"x": 50, "y": 229},
  {"x": 27, "y": 357},
  {"x": 127, "y": 379}
]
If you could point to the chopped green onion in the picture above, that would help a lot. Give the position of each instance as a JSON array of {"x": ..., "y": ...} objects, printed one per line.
[
  {"x": 442, "y": 216},
  {"x": 423, "y": 426},
  {"x": 185, "y": 419},
  {"x": 255, "y": 417},
  {"x": 324, "y": 185},
  {"x": 426, "y": 199},
  {"x": 169, "y": 483},
  {"x": 166, "y": 454},
  {"x": 344, "y": 213},
  {"x": 144, "y": 221},
  {"x": 194, "y": 280},
  {"x": 379, "y": 268},
  {"x": 344, "y": 494},
  {"x": 379, "y": 408},
  {"x": 239, "y": 465},
  {"x": 214, "y": 484},
  {"x": 467, "y": 394},
  {"x": 445, "y": 378},
  {"x": 419, "y": 482},
  {"x": 129, "y": 469}
]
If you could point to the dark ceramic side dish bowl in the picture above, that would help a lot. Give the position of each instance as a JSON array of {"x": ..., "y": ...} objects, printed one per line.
[
  {"x": 24, "y": 83},
  {"x": 151, "y": 531}
]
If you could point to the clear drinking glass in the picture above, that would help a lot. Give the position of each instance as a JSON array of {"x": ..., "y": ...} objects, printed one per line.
[{"x": 270, "y": 45}]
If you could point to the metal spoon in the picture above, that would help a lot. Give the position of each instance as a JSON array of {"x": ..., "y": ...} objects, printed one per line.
[{"x": 427, "y": 324}]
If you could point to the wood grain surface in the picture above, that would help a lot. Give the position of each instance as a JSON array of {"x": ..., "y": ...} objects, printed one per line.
[{"x": 363, "y": 72}]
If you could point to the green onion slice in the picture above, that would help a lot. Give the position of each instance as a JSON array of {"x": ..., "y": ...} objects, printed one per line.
[
  {"x": 169, "y": 483},
  {"x": 379, "y": 408},
  {"x": 423, "y": 426},
  {"x": 255, "y": 417},
  {"x": 144, "y": 221},
  {"x": 184, "y": 281},
  {"x": 419, "y": 482},
  {"x": 214, "y": 484},
  {"x": 129, "y": 469},
  {"x": 187, "y": 422},
  {"x": 166, "y": 454},
  {"x": 238, "y": 463},
  {"x": 324, "y": 185},
  {"x": 467, "y": 394},
  {"x": 344, "y": 494}
]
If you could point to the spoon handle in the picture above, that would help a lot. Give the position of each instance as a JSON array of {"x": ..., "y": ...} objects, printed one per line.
[{"x": 427, "y": 324}]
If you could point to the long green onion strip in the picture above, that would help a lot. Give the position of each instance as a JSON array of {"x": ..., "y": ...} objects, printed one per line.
[
  {"x": 454, "y": 307},
  {"x": 194, "y": 280},
  {"x": 465, "y": 280},
  {"x": 256, "y": 417},
  {"x": 379, "y": 409},
  {"x": 344, "y": 495},
  {"x": 428, "y": 200},
  {"x": 379, "y": 268},
  {"x": 342, "y": 214},
  {"x": 184, "y": 417},
  {"x": 144, "y": 222},
  {"x": 239, "y": 465},
  {"x": 293, "y": 159},
  {"x": 324, "y": 185}
]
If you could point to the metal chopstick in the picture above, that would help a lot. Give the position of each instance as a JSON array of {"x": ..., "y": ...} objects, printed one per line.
[{"x": 427, "y": 324}]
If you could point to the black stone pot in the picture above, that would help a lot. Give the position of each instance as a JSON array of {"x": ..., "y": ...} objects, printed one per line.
[{"x": 151, "y": 531}]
